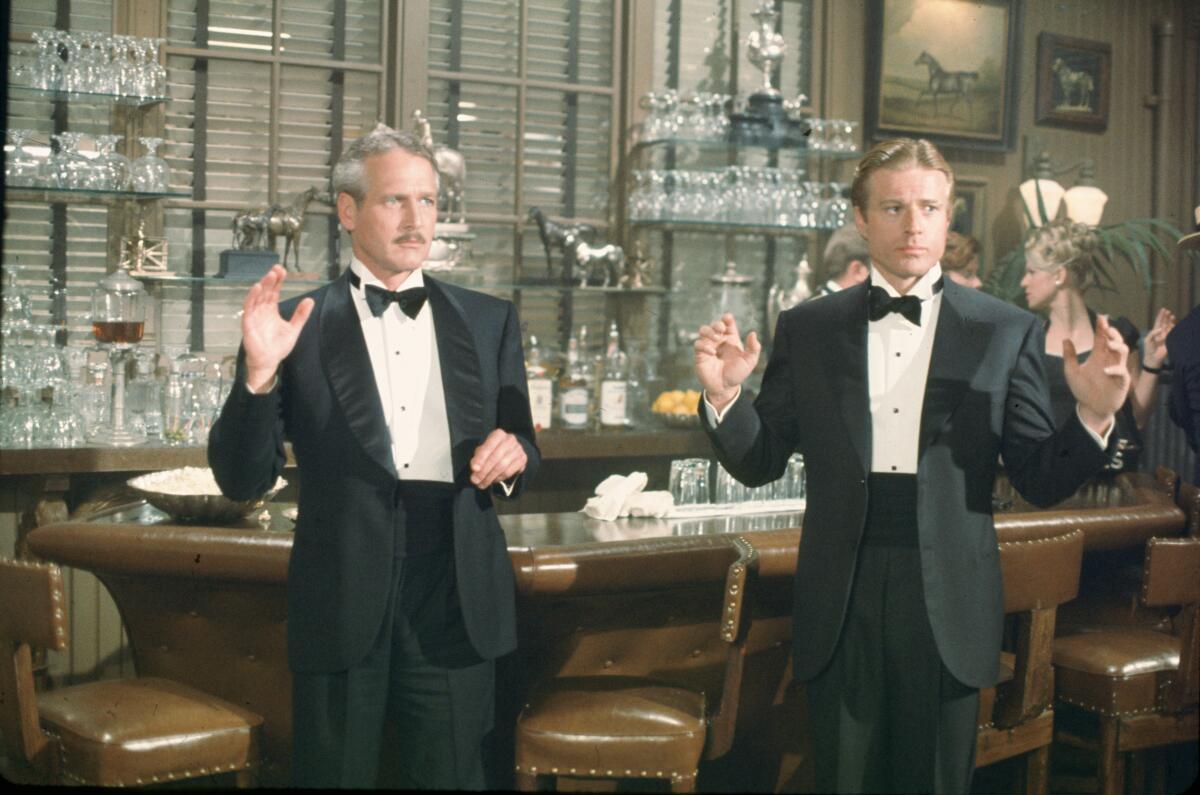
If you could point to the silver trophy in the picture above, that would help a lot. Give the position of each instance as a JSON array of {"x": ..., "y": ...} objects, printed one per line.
[
  {"x": 765, "y": 46},
  {"x": 765, "y": 121}
]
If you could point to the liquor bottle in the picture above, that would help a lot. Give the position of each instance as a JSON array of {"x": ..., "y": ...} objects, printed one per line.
[
  {"x": 575, "y": 388},
  {"x": 614, "y": 389},
  {"x": 541, "y": 387}
]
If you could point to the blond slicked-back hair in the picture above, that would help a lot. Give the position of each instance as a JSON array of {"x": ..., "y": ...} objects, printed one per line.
[{"x": 897, "y": 154}]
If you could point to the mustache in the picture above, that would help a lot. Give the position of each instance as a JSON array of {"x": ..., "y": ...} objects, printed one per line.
[{"x": 410, "y": 237}]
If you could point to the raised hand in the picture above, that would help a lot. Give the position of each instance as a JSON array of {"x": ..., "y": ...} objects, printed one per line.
[
  {"x": 1102, "y": 382},
  {"x": 1155, "y": 347},
  {"x": 266, "y": 336},
  {"x": 722, "y": 361}
]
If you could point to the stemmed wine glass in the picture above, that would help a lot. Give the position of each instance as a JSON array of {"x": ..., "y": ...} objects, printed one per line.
[{"x": 118, "y": 321}]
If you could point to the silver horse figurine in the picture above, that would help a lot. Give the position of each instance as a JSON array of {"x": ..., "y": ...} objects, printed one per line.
[
  {"x": 257, "y": 228},
  {"x": 452, "y": 173}
]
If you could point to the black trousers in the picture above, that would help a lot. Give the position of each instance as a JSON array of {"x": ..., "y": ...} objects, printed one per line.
[
  {"x": 422, "y": 677},
  {"x": 885, "y": 715}
]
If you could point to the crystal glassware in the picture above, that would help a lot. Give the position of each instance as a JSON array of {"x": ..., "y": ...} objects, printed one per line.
[
  {"x": 21, "y": 167},
  {"x": 48, "y": 66},
  {"x": 113, "y": 165},
  {"x": 150, "y": 173}
]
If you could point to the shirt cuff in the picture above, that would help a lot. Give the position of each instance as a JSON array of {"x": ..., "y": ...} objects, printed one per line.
[
  {"x": 1100, "y": 440},
  {"x": 714, "y": 416},
  {"x": 270, "y": 387}
]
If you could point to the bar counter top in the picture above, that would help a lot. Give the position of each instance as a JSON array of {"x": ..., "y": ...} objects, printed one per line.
[{"x": 1122, "y": 512}]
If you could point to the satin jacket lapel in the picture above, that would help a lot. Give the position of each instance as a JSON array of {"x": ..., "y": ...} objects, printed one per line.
[
  {"x": 958, "y": 348},
  {"x": 462, "y": 381},
  {"x": 846, "y": 368},
  {"x": 348, "y": 365}
]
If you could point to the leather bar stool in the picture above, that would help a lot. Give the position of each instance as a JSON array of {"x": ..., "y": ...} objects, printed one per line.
[
  {"x": 615, "y": 727},
  {"x": 1125, "y": 690},
  {"x": 107, "y": 733},
  {"x": 1016, "y": 717}
]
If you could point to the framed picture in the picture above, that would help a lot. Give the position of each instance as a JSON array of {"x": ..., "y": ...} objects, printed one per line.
[
  {"x": 968, "y": 216},
  {"x": 1073, "y": 82},
  {"x": 956, "y": 89}
]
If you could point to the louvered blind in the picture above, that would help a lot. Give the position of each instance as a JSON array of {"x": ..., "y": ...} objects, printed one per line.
[
  {"x": 526, "y": 90},
  {"x": 254, "y": 122}
]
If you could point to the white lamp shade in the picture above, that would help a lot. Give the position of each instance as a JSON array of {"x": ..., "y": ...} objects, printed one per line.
[
  {"x": 1052, "y": 196},
  {"x": 1085, "y": 204}
]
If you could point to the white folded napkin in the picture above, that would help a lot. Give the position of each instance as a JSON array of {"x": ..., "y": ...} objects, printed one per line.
[
  {"x": 613, "y": 497},
  {"x": 649, "y": 503}
]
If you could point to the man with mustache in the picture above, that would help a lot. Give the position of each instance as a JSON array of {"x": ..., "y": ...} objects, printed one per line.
[
  {"x": 902, "y": 393},
  {"x": 405, "y": 402}
]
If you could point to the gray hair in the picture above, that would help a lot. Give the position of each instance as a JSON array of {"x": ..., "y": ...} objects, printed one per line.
[
  {"x": 349, "y": 176},
  {"x": 845, "y": 245}
]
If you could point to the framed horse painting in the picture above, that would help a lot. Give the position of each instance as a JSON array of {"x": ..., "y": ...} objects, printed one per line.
[
  {"x": 945, "y": 70},
  {"x": 1072, "y": 82}
]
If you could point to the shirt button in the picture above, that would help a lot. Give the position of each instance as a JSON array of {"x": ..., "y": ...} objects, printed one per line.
[
  {"x": 406, "y": 466},
  {"x": 402, "y": 408},
  {"x": 895, "y": 411},
  {"x": 897, "y": 353},
  {"x": 893, "y": 468}
]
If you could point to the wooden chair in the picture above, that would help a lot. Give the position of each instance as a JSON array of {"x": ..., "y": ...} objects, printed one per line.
[
  {"x": 1128, "y": 689},
  {"x": 618, "y": 727},
  {"x": 1017, "y": 717},
  {"x": 108, "y": 733}
]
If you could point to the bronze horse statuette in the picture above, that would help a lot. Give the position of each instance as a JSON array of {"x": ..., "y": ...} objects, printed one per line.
[{"x": 257, "y": 228}]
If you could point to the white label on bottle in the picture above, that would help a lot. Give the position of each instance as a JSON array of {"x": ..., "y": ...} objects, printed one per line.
[
  {"x": 541, "y": 402},
  {"x": 575, "y": 406},
  {"x": 612, "y": 402}
]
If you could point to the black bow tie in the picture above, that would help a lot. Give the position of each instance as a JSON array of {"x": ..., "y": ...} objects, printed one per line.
[
  {"x": 881, "y": 304},
  {"x": 410, "y": 300}
]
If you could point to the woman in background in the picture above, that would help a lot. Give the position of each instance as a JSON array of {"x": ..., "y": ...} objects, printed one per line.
[
  {"x": 1058, "y": 269},
  {"x": 961, "y": 260}
]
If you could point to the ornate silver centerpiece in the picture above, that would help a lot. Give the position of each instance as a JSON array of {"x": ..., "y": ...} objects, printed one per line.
[
  {"x": 765, "y": 46},
  {"x": 766, "y": 120}
]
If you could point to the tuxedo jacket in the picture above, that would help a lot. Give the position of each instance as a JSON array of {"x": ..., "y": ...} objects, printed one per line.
[
  {"x": 327, "y": 404},
  {"x": 985, "y": 397}
]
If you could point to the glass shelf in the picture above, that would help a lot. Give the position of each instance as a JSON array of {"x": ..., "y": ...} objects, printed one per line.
[
  {"x": 28, "y": 92},
  {"x": 81, "y": 195},
  {"x": 574, "y": 288},
  {"x": 170, "y": 278},
  {"x": 722, "y": 228},
  {"x": 709, "y": 145}
]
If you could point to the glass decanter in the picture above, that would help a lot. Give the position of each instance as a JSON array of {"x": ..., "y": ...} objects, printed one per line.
[
  {"x": 150, "y": 173},
  {"x": 118, "y": 321}
]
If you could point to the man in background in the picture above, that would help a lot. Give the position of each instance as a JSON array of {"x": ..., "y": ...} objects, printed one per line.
[{"x": 845, "y": 261}]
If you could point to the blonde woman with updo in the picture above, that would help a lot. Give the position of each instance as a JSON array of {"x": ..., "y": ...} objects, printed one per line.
[{"x": 1058, "y": 269}]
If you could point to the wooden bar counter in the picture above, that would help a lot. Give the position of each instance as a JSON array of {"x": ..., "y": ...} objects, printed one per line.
[{"x": 206, "y": 606}]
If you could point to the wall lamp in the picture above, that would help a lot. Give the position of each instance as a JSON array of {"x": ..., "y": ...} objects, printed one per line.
[{"x": 1043, "y": 197}]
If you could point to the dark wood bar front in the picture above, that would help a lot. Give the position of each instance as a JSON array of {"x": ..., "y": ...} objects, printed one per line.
[{"x": 205, "y": 605}]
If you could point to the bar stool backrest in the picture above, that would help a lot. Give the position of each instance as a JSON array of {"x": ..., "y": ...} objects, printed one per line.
[
  {"x": 1171, "y": 576},
  {"x": 34, "y": 615}
]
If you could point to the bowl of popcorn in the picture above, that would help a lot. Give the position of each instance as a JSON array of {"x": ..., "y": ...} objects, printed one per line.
[
  {"x": 676, "y": 408},
  {"x": 190, "y": 495}
]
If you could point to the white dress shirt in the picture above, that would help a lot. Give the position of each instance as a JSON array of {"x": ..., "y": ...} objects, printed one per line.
[
  {"x": 408, "y": 375},
  {"x": 897, "y": 367}
]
